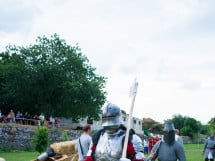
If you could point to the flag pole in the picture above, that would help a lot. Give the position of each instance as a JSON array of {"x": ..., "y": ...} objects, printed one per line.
[{"x": 133, "y": 92}]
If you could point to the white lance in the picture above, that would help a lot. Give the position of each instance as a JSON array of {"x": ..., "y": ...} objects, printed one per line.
[{"x": 133, "y": 92}]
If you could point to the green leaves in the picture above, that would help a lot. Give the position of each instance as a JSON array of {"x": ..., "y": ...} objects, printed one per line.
[
  {"x": 41, "y": 139},
  {"x": 152, "y": 126},
  {"x": 211, "y": 124},
  {"x": 50, "y": 76},
  {"x": 188, "y": 126}
]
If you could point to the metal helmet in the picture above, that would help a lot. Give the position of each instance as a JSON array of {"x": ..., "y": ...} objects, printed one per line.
[
  {"x": 211, "y": 135},
  {"x": 111, "y": 116},
  {"x": 169, "y": 133}
]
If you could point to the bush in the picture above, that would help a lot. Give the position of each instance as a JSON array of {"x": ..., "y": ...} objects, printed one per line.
[
  {"x": 65, "y": 136},
  {"x": 41, "y": 139}
]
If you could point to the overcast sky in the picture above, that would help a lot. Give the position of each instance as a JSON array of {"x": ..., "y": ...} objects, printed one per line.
[{"x": 168, "y": 45}]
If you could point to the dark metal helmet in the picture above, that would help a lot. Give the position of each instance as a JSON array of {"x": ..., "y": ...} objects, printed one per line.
[
  {"x": 169, "y": 127},
  {"x": 211, "y": 135},
  {"x": 169, "y": 133},
  {"x": 111, "y": 116}
]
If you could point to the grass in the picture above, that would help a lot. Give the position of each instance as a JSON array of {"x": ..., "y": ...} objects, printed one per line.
[
  {"x": 19, "y": 156},
  {"x": 193, "y": 153}
]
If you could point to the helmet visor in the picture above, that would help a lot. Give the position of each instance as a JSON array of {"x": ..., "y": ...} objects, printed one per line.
[{"x": 111, "y": 121}]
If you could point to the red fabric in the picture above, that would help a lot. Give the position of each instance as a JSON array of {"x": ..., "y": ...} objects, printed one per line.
[
  {"x": 89, "y": 158},
  {"x": 137, "y": 159},
  {"x": 152, "y": 142},
  {"x": 130, "y": 149},
  {"x": 93, "y": 148}
]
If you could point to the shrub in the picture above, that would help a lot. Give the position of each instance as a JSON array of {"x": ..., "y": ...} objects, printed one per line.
[
  {"x": 65, "y": 136},
  {"x": 41, "y": 139}
]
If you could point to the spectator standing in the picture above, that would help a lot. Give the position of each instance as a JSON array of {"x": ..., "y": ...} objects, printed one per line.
[
  {"x": 42, "y": 118},
  {"x": 9, "y": 117},
  {"x": 83, "y": 142},
  {"x": 19, "y": 117},
  {"x": 178, "y": 137},
  {"x": 13, "y": 116},
  {"x": 57, "y": 122},
  {"x": 209, "y": 148},
  {"x": 1, "y": 116},
  {"x": 146, "y": 147},
  {"x": 36, "y": 120},
  {"x": 52, "y": 121},
  {"x": 26, "y": 118}
]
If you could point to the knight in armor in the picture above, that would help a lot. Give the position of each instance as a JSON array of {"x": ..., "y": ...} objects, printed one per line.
[
  {"x": 168, "y": 148},
  {"x": 209, "y": 148},
  {"x": 107, "y": 144}
]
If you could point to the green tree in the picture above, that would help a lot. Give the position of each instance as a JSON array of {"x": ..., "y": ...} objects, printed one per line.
[
  {"x": 178, "y": 121},
  {"x": 191, "y": 127},
  {"x": 204, "y": 129},
  {"x": 41, "y": 139},
  {"x": 52, "y": 77},
  {"x": 152, "y": 126},
  {"x": 211, "y": 124}
]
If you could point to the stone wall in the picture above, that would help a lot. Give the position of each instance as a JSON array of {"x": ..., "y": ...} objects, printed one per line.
[
  {"x": 200, "y": 140},
  {"x": 15, "y": 136}
]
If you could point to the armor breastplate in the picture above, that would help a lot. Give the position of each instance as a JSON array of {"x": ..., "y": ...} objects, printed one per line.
[{"x": 109, "y": 148}]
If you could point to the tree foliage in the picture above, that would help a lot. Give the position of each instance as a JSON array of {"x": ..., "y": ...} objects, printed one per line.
[
  {"x": 178, "y": 121},
  {"x": 211, "y": 124},
  {"x": 41, "y": 139},
  {"x": 205, "y": 129},
  {"x": 152, "y": 126},
  {"x": 188, "y": 126},
  {"x": 50, "y": 76},
  {"x": 191, "y": 127}
]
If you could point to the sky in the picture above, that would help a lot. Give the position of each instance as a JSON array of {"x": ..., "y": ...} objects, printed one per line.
[{"x": 167, "y": 45}]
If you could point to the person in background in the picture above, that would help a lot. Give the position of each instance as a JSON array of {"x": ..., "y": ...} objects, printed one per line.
[
  {"x": 1, "y": 116},
  {"x": 146, "y": 147},
  {"x": 83, "y": 142},
  {"x": 178, "y": 137},
  {"x": 9, "y": 118},
  {"x": 137, "y": 143},
  {"x": 57, "y": 122},
  {"x": 36, "y": 120},
  {"x": 13, "y": 116},
  {"x": 42, "y": 119},
  {"x": 52, "y": 121},
  {"x": 209, "y": 148},
  {"x": 19, "y": 117},
  {"x": 26, "y": 118}
]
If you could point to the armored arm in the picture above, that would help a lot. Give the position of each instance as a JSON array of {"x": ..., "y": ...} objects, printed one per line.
[
  {"x": 154, "y": 152},
  {"x": 180, "y": 152},
  {"x": 205, "y": 146},
  {"x": 138, "y": 146}
]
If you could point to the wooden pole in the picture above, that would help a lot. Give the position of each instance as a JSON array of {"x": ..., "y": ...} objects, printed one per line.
[{"x": 134, "y": 92}]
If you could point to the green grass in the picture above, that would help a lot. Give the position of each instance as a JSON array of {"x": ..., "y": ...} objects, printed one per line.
[
  {"x": 193, "y": 153},
  {"x": 19, "y": 156}
]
